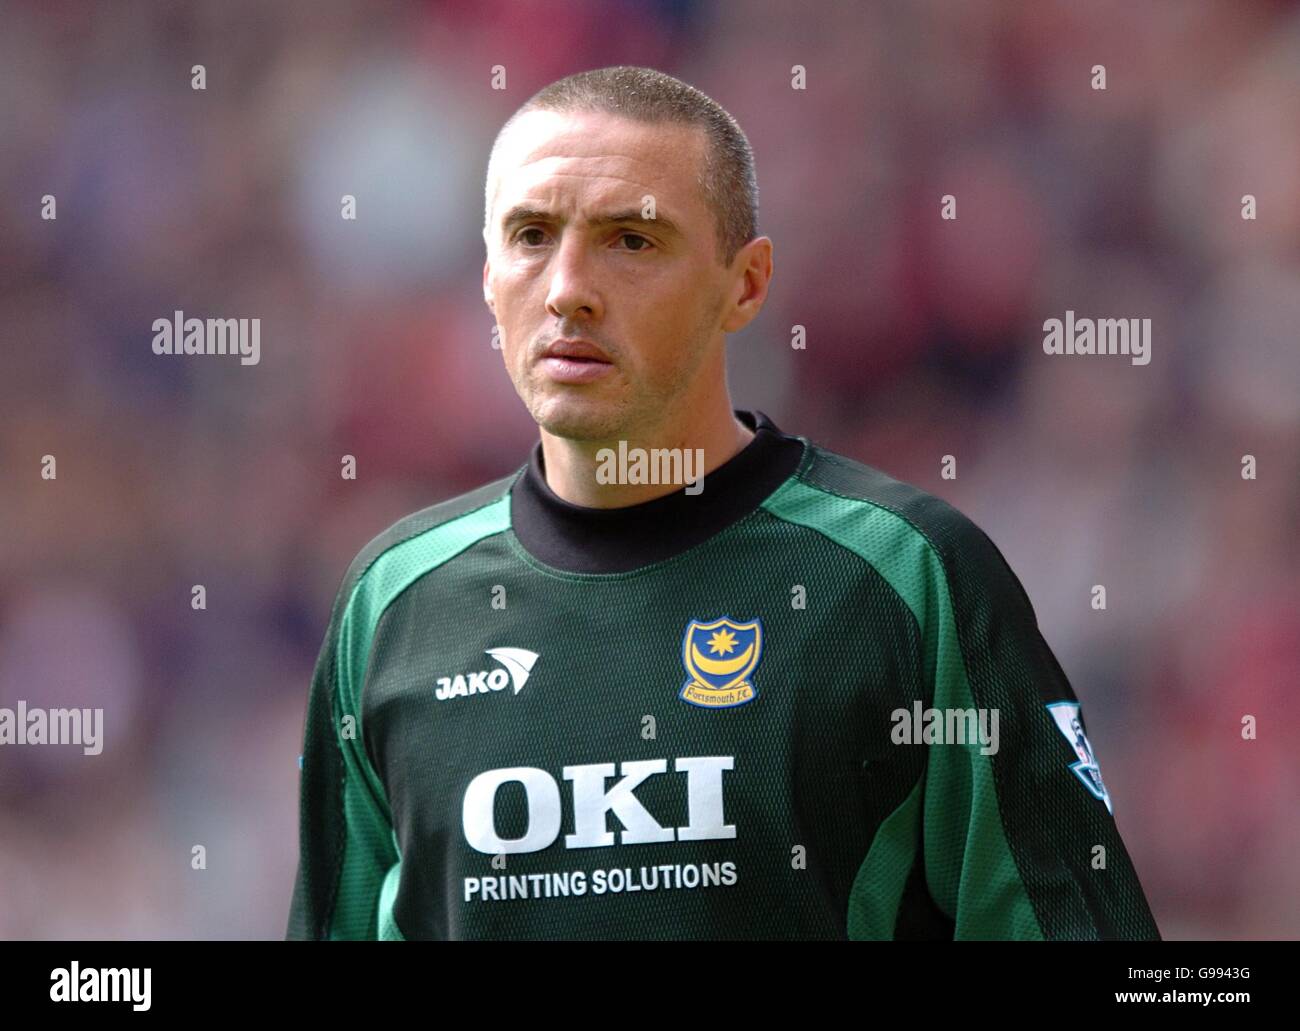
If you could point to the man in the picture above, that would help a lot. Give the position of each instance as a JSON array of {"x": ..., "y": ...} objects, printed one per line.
[{"x": 583, "y": 702}]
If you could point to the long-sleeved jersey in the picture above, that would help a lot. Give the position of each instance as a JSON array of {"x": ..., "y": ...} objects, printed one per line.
[{"x": 809, "y": 701}]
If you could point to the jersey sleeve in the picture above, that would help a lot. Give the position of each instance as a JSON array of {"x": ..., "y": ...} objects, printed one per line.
[
  {"x": 1020, "y": 841},
  {"x": 347, "y": 849}
]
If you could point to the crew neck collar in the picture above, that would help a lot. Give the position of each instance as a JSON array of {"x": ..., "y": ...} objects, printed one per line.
[{"x": 580, "y": 539}]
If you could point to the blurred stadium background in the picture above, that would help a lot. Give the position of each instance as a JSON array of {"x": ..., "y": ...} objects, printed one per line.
[{"x": 924, "y": 340}]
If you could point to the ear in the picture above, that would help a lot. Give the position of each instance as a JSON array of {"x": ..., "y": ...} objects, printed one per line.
[
  {"x": 754, "y": 262},
  {"x": 487, "y": 286}
]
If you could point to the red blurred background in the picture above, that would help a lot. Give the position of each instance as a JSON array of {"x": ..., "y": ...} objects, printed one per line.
[{"x": 924, "y": 340}]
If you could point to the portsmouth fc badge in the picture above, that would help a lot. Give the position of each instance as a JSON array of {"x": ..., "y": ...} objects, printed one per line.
[{"x": 719, "y": 658}]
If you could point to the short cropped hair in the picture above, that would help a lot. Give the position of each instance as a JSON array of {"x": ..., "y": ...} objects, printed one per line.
[{"x": 727, "y": 179}]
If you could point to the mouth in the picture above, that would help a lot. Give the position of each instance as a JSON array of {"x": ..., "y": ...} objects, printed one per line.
[
  {"x": 575, "y": 361},
  {"x": 575, "y": 370},
  {"x": 577, "y": 349}
]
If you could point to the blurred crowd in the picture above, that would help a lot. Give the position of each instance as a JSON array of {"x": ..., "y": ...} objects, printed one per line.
[{"x": 924, "y": 340}]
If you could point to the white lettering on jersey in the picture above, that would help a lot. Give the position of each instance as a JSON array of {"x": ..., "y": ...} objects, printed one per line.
[
  {"x": 518, "y": 663},
  {"x": 478, "y": 810},
  {"x": 592, "y": 802}
]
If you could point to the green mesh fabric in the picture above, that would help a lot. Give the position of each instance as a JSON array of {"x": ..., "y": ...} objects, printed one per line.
[{"x": 839, "y": 832}]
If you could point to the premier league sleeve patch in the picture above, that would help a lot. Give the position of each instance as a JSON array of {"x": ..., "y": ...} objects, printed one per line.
[
  {"x": 1066, "y": 715},
  {"x": 720, "y": 656}
]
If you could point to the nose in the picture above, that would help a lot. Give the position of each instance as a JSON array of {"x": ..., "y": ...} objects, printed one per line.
[{"x": 572, "y": 287}]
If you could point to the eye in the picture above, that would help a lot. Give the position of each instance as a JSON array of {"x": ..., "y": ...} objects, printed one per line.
[
  {"x": 636, "y": 236},
  {"x": 527, "y": 229}
]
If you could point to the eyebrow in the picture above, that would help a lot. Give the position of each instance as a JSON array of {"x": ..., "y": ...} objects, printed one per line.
[{"x": 521, "y": 214}]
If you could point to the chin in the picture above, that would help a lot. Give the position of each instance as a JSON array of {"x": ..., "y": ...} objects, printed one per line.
[{"x": 579, "y": 419}]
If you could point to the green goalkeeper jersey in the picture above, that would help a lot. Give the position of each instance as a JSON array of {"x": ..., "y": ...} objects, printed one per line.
[{"x": 809, "y": 701}]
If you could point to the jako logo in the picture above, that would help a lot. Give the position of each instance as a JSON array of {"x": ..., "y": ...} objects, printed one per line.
[
  {"x": 518, "y": 663},
  {"x": 95, "y": 984}
]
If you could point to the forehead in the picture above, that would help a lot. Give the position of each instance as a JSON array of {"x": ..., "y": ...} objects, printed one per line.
[{"x": 590, "y": 158}]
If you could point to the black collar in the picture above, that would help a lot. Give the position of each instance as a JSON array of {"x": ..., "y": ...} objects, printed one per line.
[{"x": 578, "y": 539}]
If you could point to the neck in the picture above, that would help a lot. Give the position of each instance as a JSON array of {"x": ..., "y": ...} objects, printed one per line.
[
  {"x": 579, "y": 539},
  {"x": 713, "y": 435}
]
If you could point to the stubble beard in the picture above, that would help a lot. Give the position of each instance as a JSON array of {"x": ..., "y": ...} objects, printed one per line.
[
  {"x": 601, "y": 412},
  {"x": 605, "y": 411}
]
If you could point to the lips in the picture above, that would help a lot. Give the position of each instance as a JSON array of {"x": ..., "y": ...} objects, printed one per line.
[
  {"x": 573, "y": 361},
  {"x": 577, "y": 350}
]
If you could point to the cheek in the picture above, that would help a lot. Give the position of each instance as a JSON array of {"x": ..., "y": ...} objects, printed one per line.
[
  {"x": 514, "y": 350},
  {"x": 512, "y": 327},
  {"x": 521, "y": 299},
  {"x": 695, "y": 299},
  {"x": 690, "y": 321}
]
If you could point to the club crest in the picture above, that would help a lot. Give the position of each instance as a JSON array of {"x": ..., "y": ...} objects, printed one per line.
[{"x": 719, "y": 658}]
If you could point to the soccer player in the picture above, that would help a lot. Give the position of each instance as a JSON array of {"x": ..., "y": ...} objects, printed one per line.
[{"x": 772, "y": 693}]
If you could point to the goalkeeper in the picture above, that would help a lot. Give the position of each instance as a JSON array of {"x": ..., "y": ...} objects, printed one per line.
[{"x": 683, "y": 674}]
